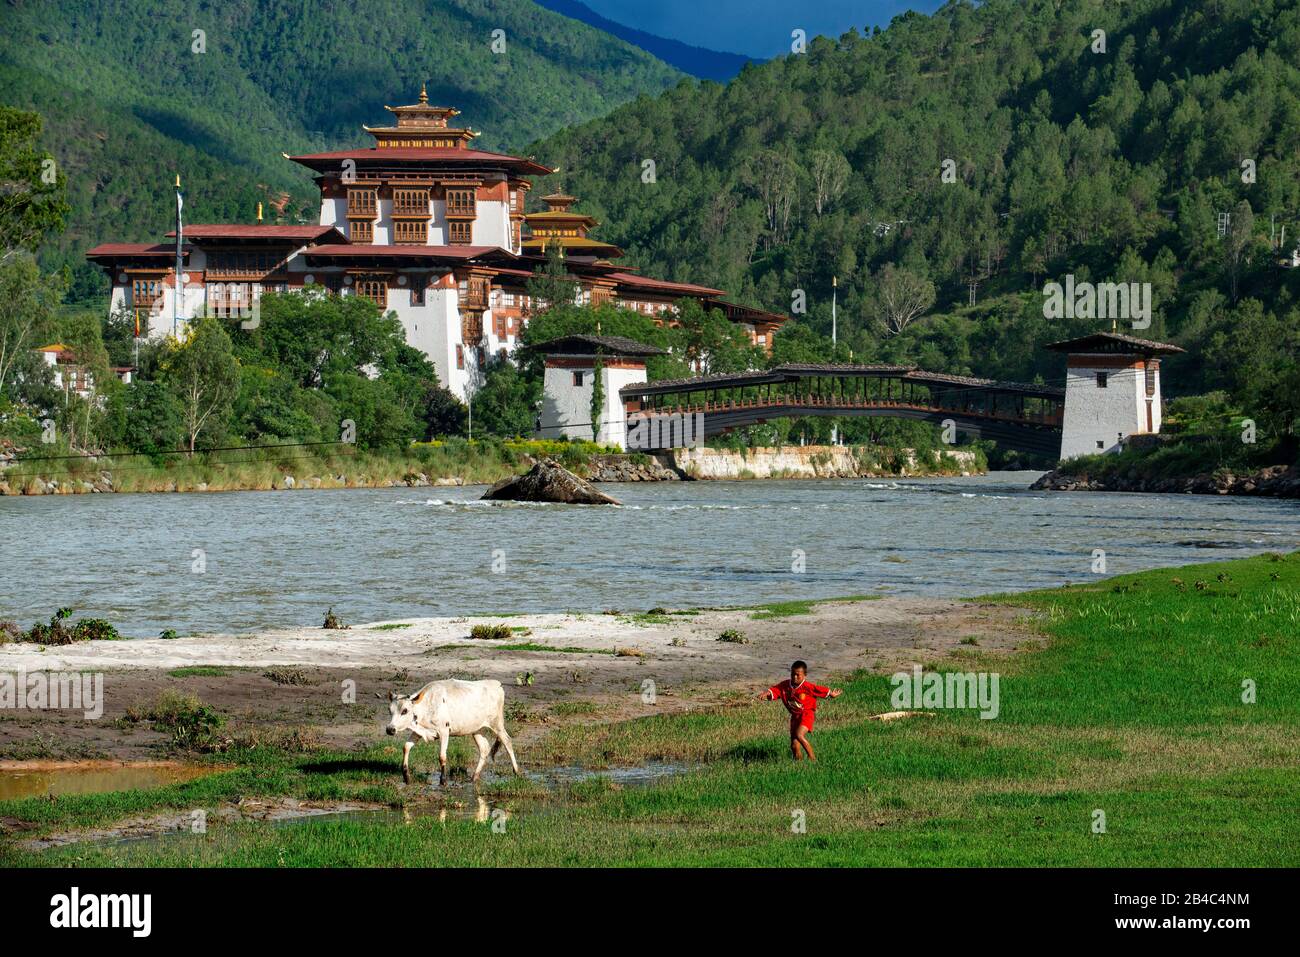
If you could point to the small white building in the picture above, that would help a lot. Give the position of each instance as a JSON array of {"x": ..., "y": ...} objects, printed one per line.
[
  {"x": 69, "y": 374},
  {"x": 1112, "y": 391},
  {"x": 569, "y": 383}
]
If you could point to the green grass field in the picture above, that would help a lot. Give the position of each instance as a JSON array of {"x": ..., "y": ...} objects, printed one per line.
[{"x": 1131, "y": 705}]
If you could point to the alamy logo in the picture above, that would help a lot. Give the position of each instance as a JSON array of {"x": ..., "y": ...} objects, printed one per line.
[
  {"x": 103, "y": 910},
  {"x": 676, "y": 430},
  {"x": 953, "y": 689},
  {"x": 1129, "y": 301},
  {"x": 53, "y": 690}
]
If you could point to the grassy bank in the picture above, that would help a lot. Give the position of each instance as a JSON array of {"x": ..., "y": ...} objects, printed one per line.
[
  {"x": 61, "y": 471},
  {"x": 1130, "y": 705},
  {"x": 453, "y": 461}
]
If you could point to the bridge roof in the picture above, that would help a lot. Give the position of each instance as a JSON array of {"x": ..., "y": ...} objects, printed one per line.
[
  {"x": 792, "y": 371},
  {"x": 991, "y": 385}
]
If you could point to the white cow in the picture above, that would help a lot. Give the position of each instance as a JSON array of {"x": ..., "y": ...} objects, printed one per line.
[{"x": 444, "y": 708}]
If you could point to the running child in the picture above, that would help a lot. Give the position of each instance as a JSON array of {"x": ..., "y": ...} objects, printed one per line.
[{"x": 799, "y": 695}]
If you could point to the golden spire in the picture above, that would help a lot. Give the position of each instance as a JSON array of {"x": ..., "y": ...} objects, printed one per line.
[
  {"x": 178, "y": 180},
  {"x": 259, "y": 212},
  {"x": 424, "y": 94}
]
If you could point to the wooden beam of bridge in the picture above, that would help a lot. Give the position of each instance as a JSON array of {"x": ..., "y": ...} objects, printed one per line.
[{"x": 1023, "y": 416}]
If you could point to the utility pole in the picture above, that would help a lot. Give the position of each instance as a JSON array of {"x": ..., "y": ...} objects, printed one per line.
[{"x": 835, "y": 282}]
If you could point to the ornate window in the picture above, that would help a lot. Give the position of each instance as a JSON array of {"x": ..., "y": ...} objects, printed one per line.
[
  {"x": 146, "y": 295},
  {"x": 362, "y": 202},
  {"x": 361, "y": 231},
  {"x": 410, "y": 232},
  {"x": 374, "y": 288},
  {"x": 461, "y": 202},
  {"x": 410, "y": 202},
  {"x": 458, "y": 233}
]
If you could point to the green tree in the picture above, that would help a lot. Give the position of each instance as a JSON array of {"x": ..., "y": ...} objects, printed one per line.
[
  {"x": 33, "y": 189},
  {"x": 28, "y": 306},
  {"x": 201, "y": 370}
]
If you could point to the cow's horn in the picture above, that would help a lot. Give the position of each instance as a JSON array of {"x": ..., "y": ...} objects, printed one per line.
[{"x": 392, "y": 696}]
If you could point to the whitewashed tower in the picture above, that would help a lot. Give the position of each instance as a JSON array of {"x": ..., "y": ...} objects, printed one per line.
[
  {"x": 569, "y": 382},
  {"x": 1112, "y": 391}
]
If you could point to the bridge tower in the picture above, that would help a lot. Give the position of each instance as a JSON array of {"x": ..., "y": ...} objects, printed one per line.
[
  {"x": 1112, "y": 391},
  {"x": 569, "y": 381}
]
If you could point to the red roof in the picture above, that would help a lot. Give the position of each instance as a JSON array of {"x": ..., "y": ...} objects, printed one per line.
[
  {"x": 150, "y": 250},
  {"x": 661, "y": 285},
  {"x": 361, "y": 251},
  {"x": 416, "y": 154},
  {"x": 255, "y": 231}
]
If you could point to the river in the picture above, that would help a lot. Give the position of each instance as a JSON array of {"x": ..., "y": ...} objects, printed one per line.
[{"x": 239, "y": 561}]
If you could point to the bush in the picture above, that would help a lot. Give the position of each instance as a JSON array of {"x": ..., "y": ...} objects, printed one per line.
[
  {"x": 490, "y": 632},
  {"x": 95, "y": 629},
  {"x": 57, "y": 631},
  {"x": 191, "y": 724},
  {"x": 284, "y": 675},
  {"x": 734, "y": 637}
]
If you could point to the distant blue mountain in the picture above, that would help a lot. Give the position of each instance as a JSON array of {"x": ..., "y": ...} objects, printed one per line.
[{"x": 697, "y": 61}]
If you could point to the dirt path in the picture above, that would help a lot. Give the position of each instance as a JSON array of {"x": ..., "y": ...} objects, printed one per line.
[{"x": 601, "y": 679}]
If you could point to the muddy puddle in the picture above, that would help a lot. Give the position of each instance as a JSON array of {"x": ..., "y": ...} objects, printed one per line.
[
  {"x": 177, "y": 832},
  {"x": 42, "y": 779}
]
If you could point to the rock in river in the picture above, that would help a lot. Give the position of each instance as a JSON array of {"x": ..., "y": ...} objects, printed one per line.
[{"x": 548, "y": 482}]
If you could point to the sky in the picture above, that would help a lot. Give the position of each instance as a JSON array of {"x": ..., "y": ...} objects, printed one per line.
[{"x": 759, "y": 28}]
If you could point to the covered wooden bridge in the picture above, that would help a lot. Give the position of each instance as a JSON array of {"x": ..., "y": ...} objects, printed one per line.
[{"x": 1019, "y": 415}]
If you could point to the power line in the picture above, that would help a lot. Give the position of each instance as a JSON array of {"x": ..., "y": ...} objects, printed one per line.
[{"x": 219, "y": 448}]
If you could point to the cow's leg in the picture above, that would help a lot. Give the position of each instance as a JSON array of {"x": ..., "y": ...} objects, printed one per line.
[
  {"x": 406, "y": 760},
  {"x": 481, "y": 740},
  {"x": 444, "y": 735},
  {"x": 504, "y": 738}
]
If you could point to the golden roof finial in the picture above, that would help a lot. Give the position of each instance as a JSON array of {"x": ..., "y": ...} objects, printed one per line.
[
  {"x": 424, "y": 94},
  {"x": 259, "y": 212}
]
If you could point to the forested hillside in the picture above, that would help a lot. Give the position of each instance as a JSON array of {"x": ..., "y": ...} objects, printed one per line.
[
  {"x": 695, "y": 60},
  {"x": 128, "y": 98},
  {"x": 1107, "y": 157}
]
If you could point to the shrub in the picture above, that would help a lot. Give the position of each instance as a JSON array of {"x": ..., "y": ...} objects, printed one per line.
[
  {"x": 57, "y": 631},
  {"x": 287, "y": 676},
  {"x": 191, "y": 724},
  {"x": 333, "y": 622},
  {"x": 734, "y": 637},
  {"x": 95, "y": 629},
  {"x": 490, "y": 632}
]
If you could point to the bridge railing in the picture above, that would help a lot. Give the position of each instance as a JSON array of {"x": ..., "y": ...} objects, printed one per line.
[{"x": 796, "y": 402}]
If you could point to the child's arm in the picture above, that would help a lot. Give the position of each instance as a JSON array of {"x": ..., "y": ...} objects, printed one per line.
[
  {"x": 771, "y": 694},
  {"x": 819, "y": 691}
]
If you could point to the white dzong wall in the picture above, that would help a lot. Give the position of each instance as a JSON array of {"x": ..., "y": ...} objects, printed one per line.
[{"x": 1107, "y": 399}]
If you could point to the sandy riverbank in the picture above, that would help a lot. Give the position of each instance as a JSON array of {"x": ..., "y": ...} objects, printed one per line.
[{"x": 599, "y": 676}]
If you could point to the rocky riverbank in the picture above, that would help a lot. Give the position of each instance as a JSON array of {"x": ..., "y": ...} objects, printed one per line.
[
  {"x": 791, "y": 462},
  {"x": 824, "y": 461},
  {"x": 1279, "y": 481}
]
